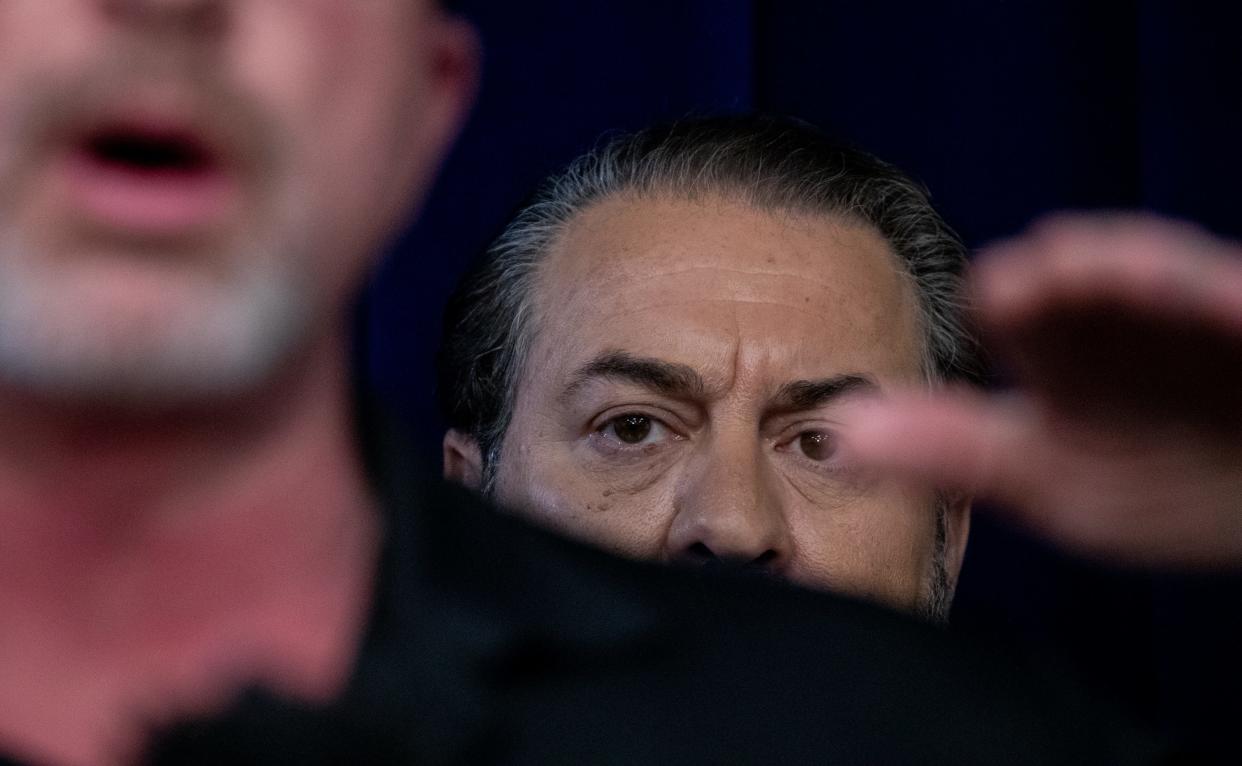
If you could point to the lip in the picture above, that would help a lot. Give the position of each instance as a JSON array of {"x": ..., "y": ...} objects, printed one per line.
[{"x": 150, "y": 199}]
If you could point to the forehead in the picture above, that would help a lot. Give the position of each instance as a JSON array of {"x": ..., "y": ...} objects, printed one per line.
[{"x": 720, "y": 285}]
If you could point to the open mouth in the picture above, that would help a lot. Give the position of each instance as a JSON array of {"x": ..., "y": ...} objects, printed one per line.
[
  {"x": 150, "y": 177},
  {"x": 141, "y": 151}
]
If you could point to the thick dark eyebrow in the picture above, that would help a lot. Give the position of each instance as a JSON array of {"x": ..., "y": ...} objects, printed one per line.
[
  {"x": 668, "y": 378},
  {"x": 808, "y": 394}
]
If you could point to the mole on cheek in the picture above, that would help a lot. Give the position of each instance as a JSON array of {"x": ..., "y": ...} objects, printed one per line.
[{"x": 599, "y": 507}]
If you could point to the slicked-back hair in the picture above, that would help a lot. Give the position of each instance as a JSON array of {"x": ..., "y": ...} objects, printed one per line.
[{"x": 770, "y": 163}]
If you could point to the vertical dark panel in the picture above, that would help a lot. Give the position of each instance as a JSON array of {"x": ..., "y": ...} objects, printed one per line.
[
  {"x": 1199, "y": 631},
  {"x": 557, "y": 74},
  {"x": 1191, "y": 74},
  {"x": 1004, "y": 109},
  {"x": 1191, "y": 78}
]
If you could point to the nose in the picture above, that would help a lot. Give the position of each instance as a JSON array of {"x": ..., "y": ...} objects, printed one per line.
[
  {"x": 729, "y": 514},
  {"x": 194, "y": 16}
]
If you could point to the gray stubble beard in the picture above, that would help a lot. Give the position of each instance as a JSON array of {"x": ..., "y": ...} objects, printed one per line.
[
  {"x": 250, "y": 304},
  {"x": 938, "y": 596},
  {"x": 56, "y": 343}
]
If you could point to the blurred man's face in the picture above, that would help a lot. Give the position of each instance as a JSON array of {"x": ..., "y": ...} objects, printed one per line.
[
  {"x": 679, "y": 400},
  {"x": 190, "y": 190}
]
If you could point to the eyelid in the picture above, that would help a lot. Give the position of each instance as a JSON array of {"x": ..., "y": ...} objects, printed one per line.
[
  {"x": 612, "y": 446},
  {"x": 603, "y": 395},
  {"x": 656, "y": 425},
  {"x": 669, "y": 420},
  {"x": 790, "y": 431},
  {"x": 785, "y": 443}
]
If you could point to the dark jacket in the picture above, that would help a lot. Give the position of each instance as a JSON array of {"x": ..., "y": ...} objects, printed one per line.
[{"x": 493, "y": 642}]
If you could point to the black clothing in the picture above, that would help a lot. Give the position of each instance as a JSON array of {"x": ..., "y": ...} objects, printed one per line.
[{"x": 493, "y": 642}]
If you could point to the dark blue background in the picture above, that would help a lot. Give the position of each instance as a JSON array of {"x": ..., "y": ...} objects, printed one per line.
[{"x": 1005, "y": 108}]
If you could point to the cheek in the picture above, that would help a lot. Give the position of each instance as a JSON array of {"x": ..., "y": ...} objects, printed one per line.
[
  {"x": 878, "y": 544},
  {"x": 42, "y": 42},
  {"x": 341, "y": 82},
  {"x": 549, "y": 483}
]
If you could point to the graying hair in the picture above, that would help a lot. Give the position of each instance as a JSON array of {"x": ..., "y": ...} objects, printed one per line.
[{"x": 771, "y": 163}]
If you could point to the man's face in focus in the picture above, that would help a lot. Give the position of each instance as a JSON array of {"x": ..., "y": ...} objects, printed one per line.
[
  {"x": 190, "y": 190},
  {"x": 679, "y": 399}
]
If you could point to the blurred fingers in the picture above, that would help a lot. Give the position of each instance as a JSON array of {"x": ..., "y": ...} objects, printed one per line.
[
  {"x": 957, "y": 440},
  {"x": 1152, "y": 265}
]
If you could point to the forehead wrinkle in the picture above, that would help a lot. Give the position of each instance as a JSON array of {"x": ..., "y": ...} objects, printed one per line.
[
  {"x": 580, "y": 267},
  {"x": 756, "y": 286},
  {"x": 675, "y": 379},
  {"x": 738, "y": 354},
  {"x": 648, "y": 274},
  {"x": 778, "y": 289},
  {"x": 596, "y": 278},
  {"x": 736, "y": 303},
  {"x": 642, "y": 275}
]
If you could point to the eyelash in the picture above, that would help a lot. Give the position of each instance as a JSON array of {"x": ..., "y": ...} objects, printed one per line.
[
  {"x": 792, "y": 445},
  {"x": 614, "y": 444}
]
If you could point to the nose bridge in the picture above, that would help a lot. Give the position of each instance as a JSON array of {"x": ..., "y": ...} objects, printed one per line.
[
  {"x": 728, "y": 507},
  {"x": 189, "y": 16},
  {"x": 159, "y": 6}
]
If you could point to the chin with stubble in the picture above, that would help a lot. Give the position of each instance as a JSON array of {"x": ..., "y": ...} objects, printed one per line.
[{"x": 151, "y": 252}]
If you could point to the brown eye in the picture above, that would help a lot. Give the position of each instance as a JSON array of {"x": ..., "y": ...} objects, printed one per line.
[
  {"x": 817, "y": 445},
  {"x": 632, "y": 429}
]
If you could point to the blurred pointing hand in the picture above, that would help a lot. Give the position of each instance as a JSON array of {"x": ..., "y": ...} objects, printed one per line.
[{"x": 1122, "y": 436}]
